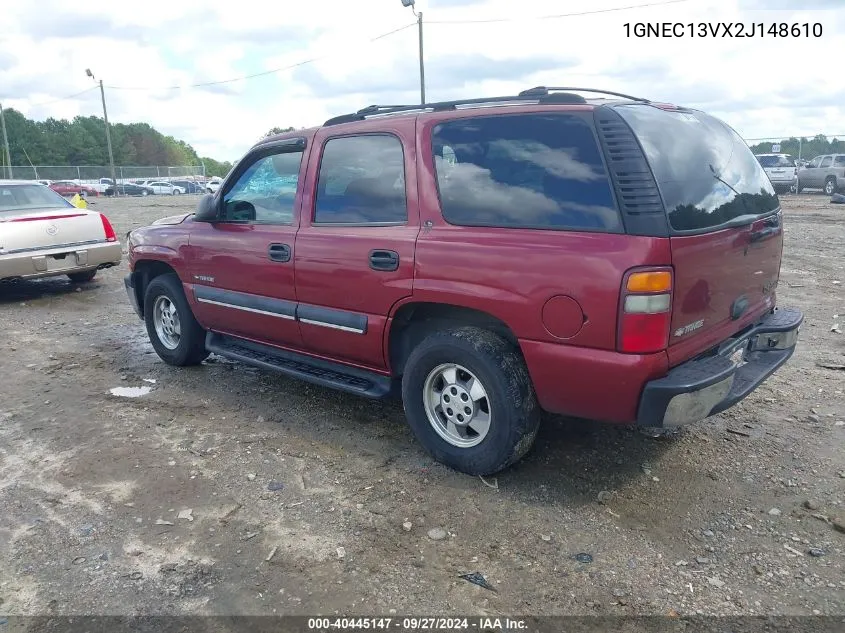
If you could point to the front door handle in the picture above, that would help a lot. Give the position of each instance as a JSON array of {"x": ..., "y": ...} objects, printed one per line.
[
  {"x": 384, "y": 260},
  {"x": 279, "y": 252}
]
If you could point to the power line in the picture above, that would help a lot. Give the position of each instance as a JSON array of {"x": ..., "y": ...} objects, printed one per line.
[
  {"x": 76, "y": 94},
  {"x": 558, "y": 15},
  {"x": 261, "y": 74}
]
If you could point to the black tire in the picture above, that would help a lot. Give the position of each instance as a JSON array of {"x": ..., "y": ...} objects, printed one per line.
[
  {"x": 144, "y": 192},
  {"x": 830, "y": 186},
  {"x": 191, "y": 348},
  {"x": 82, "y": 278},
  {"x": 515, "y": 414}
]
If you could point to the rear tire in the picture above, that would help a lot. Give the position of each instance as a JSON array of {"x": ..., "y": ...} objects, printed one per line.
[
  {"x": 82, "y": 278},
  {"x": 174, "y": 332},
  {"x": 499, "y": 428}
]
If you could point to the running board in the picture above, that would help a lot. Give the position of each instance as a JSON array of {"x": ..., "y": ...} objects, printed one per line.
[{"x": 319, "y": 372}]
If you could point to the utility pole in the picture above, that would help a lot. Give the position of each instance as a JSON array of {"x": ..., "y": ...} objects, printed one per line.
[
  {"x": 410, "y": 3},
  {"x": 108, "y": 132},
  {"x": 6, "y": 153}
]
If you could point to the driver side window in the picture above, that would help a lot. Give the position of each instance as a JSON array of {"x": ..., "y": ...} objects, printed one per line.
[
  {"x": 265, "y": 192},
  {"x": 815, "y": 162}
]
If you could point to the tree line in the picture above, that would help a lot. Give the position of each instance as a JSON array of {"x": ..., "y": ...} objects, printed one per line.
[
  {"x": 82, "y": 141},
  {"x": 810, "y": 148}
]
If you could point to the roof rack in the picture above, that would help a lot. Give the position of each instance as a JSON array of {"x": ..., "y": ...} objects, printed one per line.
[
  {"x": 547, "y": 91},
  {"x": 539, "y": 94}
]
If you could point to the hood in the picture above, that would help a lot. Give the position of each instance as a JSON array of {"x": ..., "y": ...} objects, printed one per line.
[{"x": 172, "y": 219}]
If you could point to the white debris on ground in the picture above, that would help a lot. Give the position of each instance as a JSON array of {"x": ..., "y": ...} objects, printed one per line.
[{"x": 130, "y": 392}]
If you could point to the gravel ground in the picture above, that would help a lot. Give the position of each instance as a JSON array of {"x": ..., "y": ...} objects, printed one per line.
[{"x": 228, "y": 490}]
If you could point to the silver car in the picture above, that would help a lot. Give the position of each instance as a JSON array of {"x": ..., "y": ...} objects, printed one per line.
[
  {"x": 44, "y": 235},
  {"x": 825, "y": 172},
  {"x": 781, "y": 170}
]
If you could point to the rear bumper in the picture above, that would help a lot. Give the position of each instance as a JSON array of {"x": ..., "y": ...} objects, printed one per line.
[
  {"x": 703, "y": 387},
  {"x": 129, "y": 283},
  {"x": 51, "y": 262}
]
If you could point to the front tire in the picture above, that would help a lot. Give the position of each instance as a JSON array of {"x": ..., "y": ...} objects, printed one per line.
[
  {"x": 82, "y": 278},
  {"x": 174, "y": 332},
  {"x": 830, "y": 186},
  {"x": 469, "y": 400}
]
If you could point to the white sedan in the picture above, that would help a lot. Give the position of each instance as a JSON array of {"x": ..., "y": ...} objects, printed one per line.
[
  {"x": 162, "y": 187},
  {"x": 44, "y": 235}
]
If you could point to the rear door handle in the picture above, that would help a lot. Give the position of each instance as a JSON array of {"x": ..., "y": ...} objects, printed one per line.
[
  {"x": 279, "y": 252},
  {"x": 384, "y": 260}
]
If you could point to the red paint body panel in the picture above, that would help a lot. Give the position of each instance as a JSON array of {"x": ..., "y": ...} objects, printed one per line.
[
  {"x": 711, "y": 272},
  {"x": 332, "y": 262},
  {"x": 589, "y": 383}
]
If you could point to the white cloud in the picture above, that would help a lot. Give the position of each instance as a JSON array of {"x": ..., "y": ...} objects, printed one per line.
[{"x": 761, "y": 86}]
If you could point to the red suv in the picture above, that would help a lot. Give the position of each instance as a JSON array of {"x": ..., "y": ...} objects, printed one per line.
[{"x": 613, "y": 259}]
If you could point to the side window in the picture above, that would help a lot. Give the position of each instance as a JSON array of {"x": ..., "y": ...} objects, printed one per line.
[
  {"x": 265, "y": 192},
  {"x": 362, "y": 181},
  {"x": 815, "y": 162},
  {"x": 839, "y": 161},
  {"x": 541, "y": 171},
  {"x": 827, "y": 161}
]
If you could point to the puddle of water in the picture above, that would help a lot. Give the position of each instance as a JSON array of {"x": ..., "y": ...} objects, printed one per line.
[{"x": 130, "y": 392}]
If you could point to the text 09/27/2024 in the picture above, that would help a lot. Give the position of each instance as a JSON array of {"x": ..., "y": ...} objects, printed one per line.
[{"x": 722, "y": 29}]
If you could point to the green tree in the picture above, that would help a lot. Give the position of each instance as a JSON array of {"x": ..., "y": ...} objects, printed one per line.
[{"x": 277, "y": 130}]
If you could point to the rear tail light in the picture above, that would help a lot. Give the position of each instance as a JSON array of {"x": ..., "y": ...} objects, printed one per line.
[
  {"x": 645, "y": 311},
  {"x": 107, "y": 227}
]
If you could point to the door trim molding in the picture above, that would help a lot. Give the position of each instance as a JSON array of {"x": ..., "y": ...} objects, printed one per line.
[{"x": 246, "y": 302}]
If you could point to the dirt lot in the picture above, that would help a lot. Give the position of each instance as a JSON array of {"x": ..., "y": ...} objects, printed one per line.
[{"x": 279, "y": 475}]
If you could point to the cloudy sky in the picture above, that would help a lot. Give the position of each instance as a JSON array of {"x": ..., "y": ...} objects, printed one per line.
[{"x": 153, "y": 54}]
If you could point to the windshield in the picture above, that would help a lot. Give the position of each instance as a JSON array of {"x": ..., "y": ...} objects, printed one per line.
[
  {"x": 706, "y": 173},
  {"x": 24, "y": 197},
  {"x": 776, "y": 161}
]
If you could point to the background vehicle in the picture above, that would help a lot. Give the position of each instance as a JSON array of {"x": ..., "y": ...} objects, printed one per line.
[
  {"x": 825, "y": 172},
  {"x": 162, "y": 187},
  {"x": 781, "y": 170},
  {"x": 544, "y": 251},
  {"x": 129, "y": 189},
  {"x": 213, "y": 185},
  {"x": 43, "y": 235},
  {"x": 101, "y": 185},
  {"x": 189, "y": 186},
  {"x": 69, "y": 188}
]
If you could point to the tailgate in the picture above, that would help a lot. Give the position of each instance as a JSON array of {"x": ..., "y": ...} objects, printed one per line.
[
  {"x": 50, "y": 228},
  {"x": 724, "y": 280},
  {"x": 725, "y": 224}
]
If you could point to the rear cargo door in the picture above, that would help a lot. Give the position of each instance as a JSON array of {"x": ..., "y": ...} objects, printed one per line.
[{"x": 726, "y": 226}]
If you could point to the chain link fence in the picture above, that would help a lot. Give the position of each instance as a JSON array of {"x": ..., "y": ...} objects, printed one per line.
[{"x": 92, "y": 173}]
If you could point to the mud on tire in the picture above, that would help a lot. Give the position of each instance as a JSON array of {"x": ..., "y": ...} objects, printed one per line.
[{"x": 500, "y": 368}]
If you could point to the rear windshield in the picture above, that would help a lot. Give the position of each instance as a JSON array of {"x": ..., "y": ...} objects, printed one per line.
[
  {"x": 706, "y": 173},
  {"x": 776, "y": 161},
  {"x": 24, "y": 197}
]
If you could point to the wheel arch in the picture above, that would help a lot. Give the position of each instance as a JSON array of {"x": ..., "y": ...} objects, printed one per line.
[
  {"x": 415, "y": 320},
  {"x": 144, "y": 272}
]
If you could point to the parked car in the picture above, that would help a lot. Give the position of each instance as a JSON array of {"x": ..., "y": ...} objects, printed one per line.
[
  {"x": 129, "y": 189},
  {"x": 543, "y": 251},
  {"x": 189, "y": 186},
  {"x": 102, "y": 184},
  {"x": 162, "y": 187},
  {"x": 213, "y": 184},
  {"x": 825, "y": 172},
  {"x": 781, "y": 170},
  {"x": 70, "y": 188},
  {"x": 44, "y": 235}
]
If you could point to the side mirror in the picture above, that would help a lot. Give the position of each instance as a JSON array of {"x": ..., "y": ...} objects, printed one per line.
[
  {"x": 241, "y": 211},
  {"x": 206, "y": 209}
]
